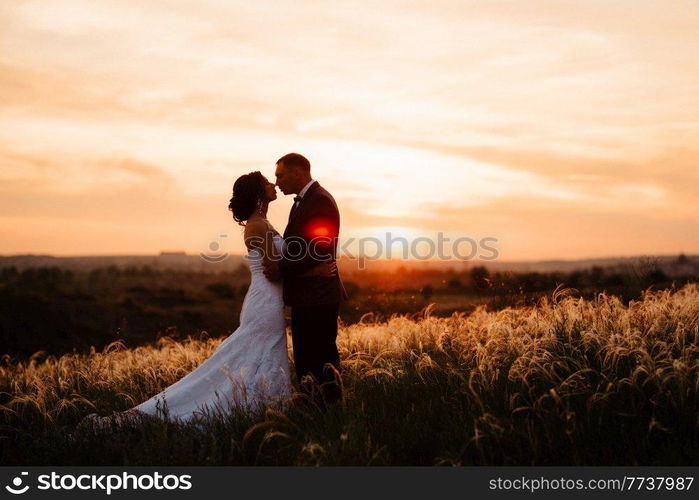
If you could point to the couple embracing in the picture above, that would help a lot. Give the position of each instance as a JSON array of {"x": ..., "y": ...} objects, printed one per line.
[{"x": 250, "y": 369}]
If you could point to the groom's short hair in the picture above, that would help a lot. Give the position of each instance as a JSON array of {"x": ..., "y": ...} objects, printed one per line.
[{"x": 295, "y": 160}]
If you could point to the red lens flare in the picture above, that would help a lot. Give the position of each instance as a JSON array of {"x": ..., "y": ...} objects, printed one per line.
[
  {"x": 320, "y": 231},
  {"x": 319, "y": 228}
]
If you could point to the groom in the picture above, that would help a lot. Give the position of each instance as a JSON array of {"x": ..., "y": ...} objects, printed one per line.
[{"x": 311, "y": 239}]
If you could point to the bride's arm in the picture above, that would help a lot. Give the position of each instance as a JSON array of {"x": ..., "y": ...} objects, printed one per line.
[
  {"x": 271, "y": 257},
  {"x": 259, "y": 235}
]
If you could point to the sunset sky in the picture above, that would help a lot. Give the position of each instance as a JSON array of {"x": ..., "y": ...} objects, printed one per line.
[{"x": 566, "y": 129}]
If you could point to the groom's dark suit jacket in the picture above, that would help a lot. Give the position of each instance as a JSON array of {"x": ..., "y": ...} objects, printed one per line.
[{"x": 311, "y": 237}]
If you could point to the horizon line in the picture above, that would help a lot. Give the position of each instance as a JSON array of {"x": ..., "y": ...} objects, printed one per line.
[{"x": 434, "y": 260}]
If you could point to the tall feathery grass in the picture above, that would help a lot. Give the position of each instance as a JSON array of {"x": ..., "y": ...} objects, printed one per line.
[{"x": 568, "y": 382}]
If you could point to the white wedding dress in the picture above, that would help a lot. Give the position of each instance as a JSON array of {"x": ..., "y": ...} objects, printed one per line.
[{"x": 249, "y": 370}]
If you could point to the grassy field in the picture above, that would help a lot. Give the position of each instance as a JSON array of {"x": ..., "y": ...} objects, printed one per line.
[{"x": 567, "y": 382}]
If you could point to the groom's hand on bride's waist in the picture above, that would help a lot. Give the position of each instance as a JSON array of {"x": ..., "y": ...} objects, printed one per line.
[
  {"x": 272, "y": 272},
  {"x": 325, "y": 269}
]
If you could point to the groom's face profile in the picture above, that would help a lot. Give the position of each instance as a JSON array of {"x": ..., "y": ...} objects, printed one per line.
[{"x": 288, "y": 178}]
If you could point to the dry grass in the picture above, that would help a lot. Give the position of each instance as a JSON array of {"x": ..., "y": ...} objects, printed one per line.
[{"x": 569, "y": 382}]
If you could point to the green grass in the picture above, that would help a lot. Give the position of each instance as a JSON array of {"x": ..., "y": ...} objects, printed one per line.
[{"x": 567, "y": 382}]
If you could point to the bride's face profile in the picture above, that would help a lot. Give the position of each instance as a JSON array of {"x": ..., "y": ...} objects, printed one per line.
[{"x": 270, "y": 190}]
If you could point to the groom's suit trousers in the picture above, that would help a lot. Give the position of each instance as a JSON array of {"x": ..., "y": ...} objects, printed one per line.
[{"x": 314, "y": 332}]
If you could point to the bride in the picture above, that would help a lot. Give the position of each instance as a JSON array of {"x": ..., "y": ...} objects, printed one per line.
[{"x": 250, "y": 369}]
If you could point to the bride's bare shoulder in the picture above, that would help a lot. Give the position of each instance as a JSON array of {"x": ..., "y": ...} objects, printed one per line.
[{"x": 256, "y": 230}]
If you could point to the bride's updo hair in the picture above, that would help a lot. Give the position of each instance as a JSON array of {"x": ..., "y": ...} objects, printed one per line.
[{"x": 248, "y": 190}]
